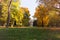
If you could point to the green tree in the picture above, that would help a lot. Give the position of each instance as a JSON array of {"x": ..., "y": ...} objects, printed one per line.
[{"x": 26, "y": 17}]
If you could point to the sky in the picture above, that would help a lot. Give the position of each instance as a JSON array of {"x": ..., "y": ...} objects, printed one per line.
[{"x": 30, "y": 4}]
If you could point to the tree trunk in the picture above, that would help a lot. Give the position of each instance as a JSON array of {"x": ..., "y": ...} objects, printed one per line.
[
  {"x": 0, "y": 9},
  {"x": 8, "y": 18},
  {"x": 42, "y": 22}
]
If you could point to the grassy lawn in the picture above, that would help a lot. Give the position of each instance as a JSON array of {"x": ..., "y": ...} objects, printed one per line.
[{"x": 29, "y": 34}]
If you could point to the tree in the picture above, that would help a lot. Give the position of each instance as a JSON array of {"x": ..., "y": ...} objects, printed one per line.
[
  {"x": 19, "y": 17},
  {"x": 12, "y": 9},
  {"x": 50, "y": 3},
  {"x": 0, "y": 9},
  {"x": 42, "y": 15},
  {"x": 26, "y": 15},
  {"x": 53, "y": 6},
  {"x": 15, "y": 15},
  {"x": 8, "y": 18},
  {"x": 54, "y": 18},
  {"x": 3, "y": 12}
]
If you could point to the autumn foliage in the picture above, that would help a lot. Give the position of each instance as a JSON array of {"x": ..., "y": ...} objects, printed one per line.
[
  {"x": 42, "y": 15},
  {"x": 18, "y": 15}
]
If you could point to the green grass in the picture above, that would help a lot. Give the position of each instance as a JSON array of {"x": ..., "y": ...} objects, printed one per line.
[{"x": 28, "y": 34}]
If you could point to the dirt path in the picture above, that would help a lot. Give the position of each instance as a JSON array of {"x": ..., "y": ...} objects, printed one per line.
[{"x": 50, "y": 28}]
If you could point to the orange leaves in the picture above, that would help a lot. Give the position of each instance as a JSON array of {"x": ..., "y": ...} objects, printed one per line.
[
  {"x": 36, "y": 15},
  {"x": 41, "y": 15},
  {"x": 46, "y": 20}
]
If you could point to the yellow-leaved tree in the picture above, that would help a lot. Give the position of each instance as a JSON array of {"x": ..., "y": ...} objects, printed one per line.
[
  {"x": 16, "y": 13},
  {"x": 3, "y": 12},
  {"x": 42, "y": 15}
]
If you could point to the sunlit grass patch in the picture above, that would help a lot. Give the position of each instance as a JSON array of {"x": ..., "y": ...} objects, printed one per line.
[{"x": 57, "y": 35}]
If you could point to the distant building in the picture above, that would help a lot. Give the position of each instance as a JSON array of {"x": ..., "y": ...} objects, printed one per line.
[{"x": 31, "y": 22}]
